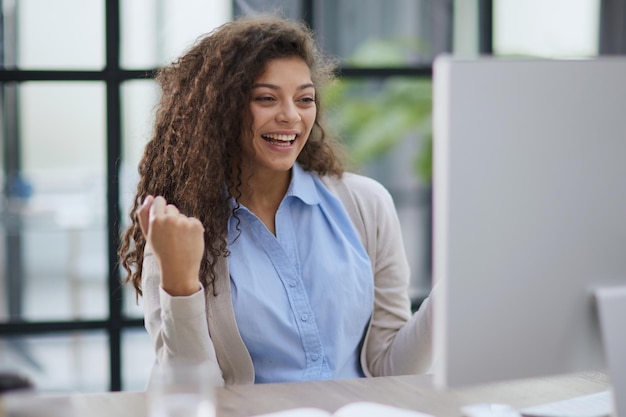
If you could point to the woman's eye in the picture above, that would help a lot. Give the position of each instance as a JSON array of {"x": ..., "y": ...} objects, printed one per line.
[
  {"x": 264, "y": 98},
  {"x": 307, "y": 100}
]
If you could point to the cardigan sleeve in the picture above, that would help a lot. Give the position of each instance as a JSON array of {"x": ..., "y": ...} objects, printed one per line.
[
  {"x": 177, "y": 325},
  {"x": 396, "y": 342}
]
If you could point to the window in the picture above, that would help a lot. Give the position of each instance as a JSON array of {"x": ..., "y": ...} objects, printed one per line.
[
  {"x": 77, "y": 98},
  {"x": 543, "y": 29}
]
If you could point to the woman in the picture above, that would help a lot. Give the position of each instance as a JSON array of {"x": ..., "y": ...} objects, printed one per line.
[{"x": 254, "y": 252}]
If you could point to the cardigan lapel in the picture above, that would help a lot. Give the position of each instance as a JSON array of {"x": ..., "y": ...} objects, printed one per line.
[{"x": 232, "y": 354}]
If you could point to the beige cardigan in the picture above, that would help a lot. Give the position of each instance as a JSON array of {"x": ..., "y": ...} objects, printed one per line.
[{"x": 201, "y": 328}]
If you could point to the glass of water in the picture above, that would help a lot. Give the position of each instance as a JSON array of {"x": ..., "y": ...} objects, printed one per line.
[{"x": 182, "y": 390}]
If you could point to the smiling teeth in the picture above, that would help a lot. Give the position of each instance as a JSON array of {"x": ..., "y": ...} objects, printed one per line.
[{"x": 282, "y": 138}]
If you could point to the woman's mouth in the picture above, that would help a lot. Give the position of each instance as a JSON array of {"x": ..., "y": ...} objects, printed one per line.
[{"x": 279, "y": 140}]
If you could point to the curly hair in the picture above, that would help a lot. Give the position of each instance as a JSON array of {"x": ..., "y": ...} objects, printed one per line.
[{"x": 193, "y": 158}]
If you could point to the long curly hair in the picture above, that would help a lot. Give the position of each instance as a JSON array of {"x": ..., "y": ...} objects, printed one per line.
[{"x": 194, "y": 156}]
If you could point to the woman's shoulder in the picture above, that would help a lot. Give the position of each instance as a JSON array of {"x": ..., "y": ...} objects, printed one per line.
[
  {"x": 362, "y": 196},
  {"x": 358, "y": 186}
]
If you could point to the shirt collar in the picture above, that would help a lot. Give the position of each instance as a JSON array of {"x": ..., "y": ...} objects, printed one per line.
[{"x": 302, "y": 186}]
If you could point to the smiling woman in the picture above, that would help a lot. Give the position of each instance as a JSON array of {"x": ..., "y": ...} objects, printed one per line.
[
  {"x": 256, "y": 254},
  {"x": 283, "y": 112}
]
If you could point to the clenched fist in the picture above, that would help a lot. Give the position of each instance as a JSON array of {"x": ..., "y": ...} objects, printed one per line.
[{"x": 177, "y": 242}]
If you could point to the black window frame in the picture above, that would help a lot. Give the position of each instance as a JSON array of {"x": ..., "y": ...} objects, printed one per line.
[{"x": 112, "y": 76}]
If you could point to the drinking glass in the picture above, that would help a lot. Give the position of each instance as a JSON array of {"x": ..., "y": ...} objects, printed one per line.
[{"x": 181, "y": 390}]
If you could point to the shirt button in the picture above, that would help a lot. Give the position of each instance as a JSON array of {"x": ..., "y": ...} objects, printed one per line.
[
  {"x": 315, "y": 356},
  {"x": 304, "y": 317},
  {"x": 292, "y": 284}
]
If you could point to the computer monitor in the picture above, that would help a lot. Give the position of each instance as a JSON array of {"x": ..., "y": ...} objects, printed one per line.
[{"x": 529, "y": 218}]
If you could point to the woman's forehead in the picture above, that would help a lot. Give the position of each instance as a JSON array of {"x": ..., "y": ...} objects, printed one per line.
[{"x": 278, "y": 69}]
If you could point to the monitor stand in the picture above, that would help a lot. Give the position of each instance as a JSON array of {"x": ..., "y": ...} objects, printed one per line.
[{"x": 611, "y": 302}]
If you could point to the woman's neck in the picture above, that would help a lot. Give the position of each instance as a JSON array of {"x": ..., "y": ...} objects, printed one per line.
[{"x": 262, "y": 194}]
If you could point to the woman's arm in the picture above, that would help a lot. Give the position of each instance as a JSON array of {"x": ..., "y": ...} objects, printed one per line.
[
  {"x": 177, "y": 325},
  {"x": 174, "y": 301},
  {"x": 398, "y": 342}
]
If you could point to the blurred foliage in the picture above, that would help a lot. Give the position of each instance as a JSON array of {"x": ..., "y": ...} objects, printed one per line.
[
  {"x": 388, "y": 53},
  {"x": 372, "y": 115}
]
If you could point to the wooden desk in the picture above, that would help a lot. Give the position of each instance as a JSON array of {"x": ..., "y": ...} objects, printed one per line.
[{"x": 412, "y": 392}]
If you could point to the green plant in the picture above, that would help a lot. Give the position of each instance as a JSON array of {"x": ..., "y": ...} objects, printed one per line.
[{"x": 373, "y": 116}]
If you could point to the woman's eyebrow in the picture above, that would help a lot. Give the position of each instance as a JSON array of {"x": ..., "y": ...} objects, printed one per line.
[{"x": 275, "y": 87}]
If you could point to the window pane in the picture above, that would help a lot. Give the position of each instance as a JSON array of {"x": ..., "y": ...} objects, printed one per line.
[
  {"x": 557, "y": 28},
  {"x": 71, "y": 362},
  {"x": 380, "y": 33},
  {"x": 55, "y": 241},
  {"x": 156, "y": 32},
  {"x": 292, "y": 9},
  {"x": 385, "y": 124},
  {"x": 58, "y": 34},
  {"x": 62, "y": 126},
  {"x": 465, "y": 27},
  {"x": 133, "y": 307},
  {"x": 137, "y": 359},
  {"x": 139, "y": 99}
]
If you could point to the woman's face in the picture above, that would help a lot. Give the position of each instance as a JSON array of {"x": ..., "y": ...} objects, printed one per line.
[{"x": 283, "y": 112}]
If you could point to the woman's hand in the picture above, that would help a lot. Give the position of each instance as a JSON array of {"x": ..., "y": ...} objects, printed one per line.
[{"x": 178, "y": 243}]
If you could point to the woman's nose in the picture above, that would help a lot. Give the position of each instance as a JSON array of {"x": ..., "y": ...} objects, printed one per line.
[{"x": 289, "y": 113}]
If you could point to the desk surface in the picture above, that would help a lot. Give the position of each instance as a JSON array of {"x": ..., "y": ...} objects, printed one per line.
[{"x": 412, "y": 392}]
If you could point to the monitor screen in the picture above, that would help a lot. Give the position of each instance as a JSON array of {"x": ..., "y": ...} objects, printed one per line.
[{"x": 529, "y": 213}]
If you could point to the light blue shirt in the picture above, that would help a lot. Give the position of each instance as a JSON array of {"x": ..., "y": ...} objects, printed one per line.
[{"x": 302, "y": 298}]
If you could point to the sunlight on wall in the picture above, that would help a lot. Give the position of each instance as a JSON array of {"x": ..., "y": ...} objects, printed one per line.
[{"x": 555, "y": 28}]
